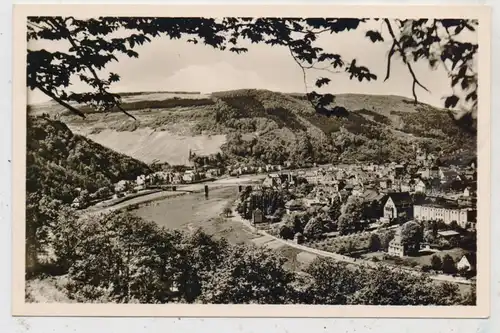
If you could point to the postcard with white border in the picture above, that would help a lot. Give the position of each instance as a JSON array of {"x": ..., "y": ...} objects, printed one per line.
[{"x": 251, "y": 161}]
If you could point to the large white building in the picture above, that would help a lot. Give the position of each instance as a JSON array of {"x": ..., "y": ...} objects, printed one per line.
[{"x": 463, "y": 216}]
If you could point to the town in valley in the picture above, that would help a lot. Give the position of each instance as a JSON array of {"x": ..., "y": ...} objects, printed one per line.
[{"x": 407, "y": 213}]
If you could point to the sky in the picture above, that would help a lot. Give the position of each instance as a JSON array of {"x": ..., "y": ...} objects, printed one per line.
[{"x": 175, "y": 65}]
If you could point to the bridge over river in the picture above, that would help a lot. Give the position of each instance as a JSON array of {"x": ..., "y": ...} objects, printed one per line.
[
  {"x": 241, "y": 182},
  {"x": 165, "y": 191}
]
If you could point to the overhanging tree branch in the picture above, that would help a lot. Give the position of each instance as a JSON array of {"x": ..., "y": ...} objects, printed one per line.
[
  {"x": 60, "y": 101},
  {"x": 301, "y": 67},
  {"x": 389, "y": 57},
  {"x": 99, "y": 82},
  {"x": 397, "y": 44},
  {"x": 52, "y": 70}
]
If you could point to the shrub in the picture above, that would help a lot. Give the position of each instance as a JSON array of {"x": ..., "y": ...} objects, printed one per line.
[
  {"x": 374, "y": 243},
  {"x": 464, "y": 272},
  {"x": 286, "y": 232},
  {"x": 448, "y": 266},
  {"x": 227, "y": 211},
  {"x": 436, "y": 262},
  {"x": 398, "y": 261},
  {"x": 426, "y": 268}
]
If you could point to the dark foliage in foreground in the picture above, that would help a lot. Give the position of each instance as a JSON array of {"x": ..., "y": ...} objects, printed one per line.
[{"x": 121, "y": 258}]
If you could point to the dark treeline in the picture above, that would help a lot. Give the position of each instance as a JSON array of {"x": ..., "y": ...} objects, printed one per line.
[{"x": 151, "y": 105}]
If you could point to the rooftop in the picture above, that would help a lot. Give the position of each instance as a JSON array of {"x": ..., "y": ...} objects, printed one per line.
[
  {"x": 400, "y": 198},
  {"x": 447, "y": 233},
  {"x": 471, "y": 258},
  {"x": 444, "y": 205}
]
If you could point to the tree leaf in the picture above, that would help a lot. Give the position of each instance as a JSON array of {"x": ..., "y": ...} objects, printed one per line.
[
  {"x": 322, "y": 81},
  {"x": 451, "y": 101},
  {"x": 374, "y": 36}
]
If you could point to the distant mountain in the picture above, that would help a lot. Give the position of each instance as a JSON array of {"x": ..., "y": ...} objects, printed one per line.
[
  {"x": 59, "y": 162},
  {"x": 272, "y": 127}
]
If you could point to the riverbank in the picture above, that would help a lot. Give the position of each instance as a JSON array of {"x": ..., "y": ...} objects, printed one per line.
[
  {"x": 194, "y": 210},
  {"x": 158, "y": 194}
]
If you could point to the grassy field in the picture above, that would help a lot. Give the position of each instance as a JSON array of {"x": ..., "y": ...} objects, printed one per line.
[{"x": 455, "y": 253}]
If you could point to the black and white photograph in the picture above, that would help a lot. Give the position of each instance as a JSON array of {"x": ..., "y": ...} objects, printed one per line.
[{"x": 253, "y": 160}]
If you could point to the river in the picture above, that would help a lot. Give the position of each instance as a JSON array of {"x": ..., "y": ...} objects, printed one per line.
[{"x": 189, "y": 210}]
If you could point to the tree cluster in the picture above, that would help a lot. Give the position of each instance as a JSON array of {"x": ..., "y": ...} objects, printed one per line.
[
  {"x": 121, "y": 258},
  {"x": 352, "y": 213},
  {"x": 336, "y": 283},
  {"x": 60, "y": 167},
  {"x": 269, "y": 201}
]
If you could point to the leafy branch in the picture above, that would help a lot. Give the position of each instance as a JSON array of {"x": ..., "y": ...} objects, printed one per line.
[{"x": 397, "y": 44}]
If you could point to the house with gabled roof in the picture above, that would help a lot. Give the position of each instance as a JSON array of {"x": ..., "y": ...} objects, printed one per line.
[
  {"x": 421, "y": 186},
  {"x": 397, "y": 205},
  {"x": 449, "y": 175},
  {"x": 396, "y": 245},
  {"x": 358, "y": 190},
  {"x": 473, "y": 163},
  {"x": 385, "y": 184},
  {"x": 408, "y": 185},
  {"x": 470, "y": 191},
  {"x": 272, "y": 180},
  {"x": 399, "y": 170},
  {"x": 467, "y": 262}
]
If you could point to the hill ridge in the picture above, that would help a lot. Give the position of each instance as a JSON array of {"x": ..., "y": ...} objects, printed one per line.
[{"x": 377, "y": 128}]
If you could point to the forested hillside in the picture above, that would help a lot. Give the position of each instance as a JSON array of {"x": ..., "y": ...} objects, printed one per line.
[
  {"x": 272, "y": 127},
  {"x": 61, "y": 164},
  {"x": 118, "y": 257}
]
